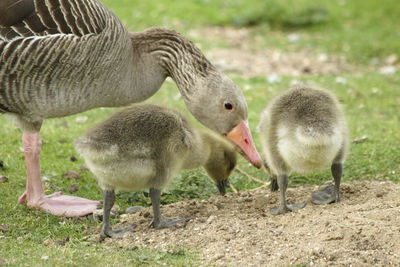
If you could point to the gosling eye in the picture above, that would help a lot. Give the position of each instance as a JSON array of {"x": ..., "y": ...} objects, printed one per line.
[{"x": 228, "y": 106}]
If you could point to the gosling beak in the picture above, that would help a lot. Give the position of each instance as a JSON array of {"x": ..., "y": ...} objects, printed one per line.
[
  {"x": 241, "y": 136},
  {"x": 222, "y": 185}
]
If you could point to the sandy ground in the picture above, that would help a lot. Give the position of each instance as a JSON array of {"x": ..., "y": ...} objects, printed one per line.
[{"x": 238, "y": 230}]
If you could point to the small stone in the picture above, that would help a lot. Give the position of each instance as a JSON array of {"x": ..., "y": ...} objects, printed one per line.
[
  {"x": 294, "y": 82},
  {"x": 334, "y": 236},
  {"x": 211, "y": 219},
  {"x": 341, "y": 80},
  {"x": 47, "y": 242},
  {"x": 82, "y": 119},
  {"x": 387, "y": 70},
  {"x": 133, "y": 209},
  {"x": 380, "y": 193},
  {"x": 217, "y": 257},
  {"x": 146, "y": 214},
  {"x": 322, "y": 57},
  {"x": 20, "y": 239},
  {"x": 273, "y": 78},
  {"x": 45, "y": 257},
  {"x": 360, "y": 140},
  {"x": 98, "y": 215},
  {"x": 4, "y": 227},
  {"x": 293, "y": 37},
  {"x": 73, "y": 188},
  {"x": 71, "y": 175}
]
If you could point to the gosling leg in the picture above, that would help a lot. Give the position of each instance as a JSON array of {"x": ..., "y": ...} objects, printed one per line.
[
  {"x": 159, "y": 221},
  {"x": 284, "y": 207},
  {"x": 107, "y": 231},
  {"x": 330, "y": 193}
]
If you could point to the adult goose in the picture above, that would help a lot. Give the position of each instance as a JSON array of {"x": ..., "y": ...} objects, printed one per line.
[
  {"x": 144, "y": 147},
  {"x": 304, "y": 130},
  {"x": 63, "y": 57}
]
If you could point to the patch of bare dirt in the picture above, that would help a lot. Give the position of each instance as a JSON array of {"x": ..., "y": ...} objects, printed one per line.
[
  {"x": 246, "y": 55},
  {"x": 238, "y": 230}
]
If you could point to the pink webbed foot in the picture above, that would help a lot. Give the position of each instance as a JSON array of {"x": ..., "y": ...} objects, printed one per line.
[
  {"x": 64, "y": 205},
  {"x": 22, "y": 198}
]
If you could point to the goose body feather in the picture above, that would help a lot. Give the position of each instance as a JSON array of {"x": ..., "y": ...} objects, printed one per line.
[{"x": 69, "y": 62}]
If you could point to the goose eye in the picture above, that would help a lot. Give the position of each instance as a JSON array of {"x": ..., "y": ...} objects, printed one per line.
[{"x": 228, "y": 106}]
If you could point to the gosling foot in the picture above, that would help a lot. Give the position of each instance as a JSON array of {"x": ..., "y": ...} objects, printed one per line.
[
  {"x": 168, "y": 222},
  {"x": 118, "y": 232},
  {"x": 289, "y": 207},
  {"x": 325, "y": 196}
]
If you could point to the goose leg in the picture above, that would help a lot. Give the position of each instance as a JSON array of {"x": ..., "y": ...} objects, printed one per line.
[
  {"x": 107, "y": 231},
  {"x": 284, "y": 207},
  {"x": 331, "y": 193},
  {"x": 159, "y": 221},
  {"x": 57, "y": 203}
]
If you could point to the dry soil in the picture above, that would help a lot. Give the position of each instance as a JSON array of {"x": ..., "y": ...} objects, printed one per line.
[{"x": 238, "y": 230}]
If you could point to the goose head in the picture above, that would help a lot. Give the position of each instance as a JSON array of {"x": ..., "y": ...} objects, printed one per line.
[{"x": 218, "y": 103}]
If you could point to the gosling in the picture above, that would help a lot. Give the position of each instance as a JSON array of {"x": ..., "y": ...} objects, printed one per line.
[
  {"x": 304, "y": 130},
  {"x": 143, "y": 147}
]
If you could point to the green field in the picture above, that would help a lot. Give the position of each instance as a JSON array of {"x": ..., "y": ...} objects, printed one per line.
[{"x": 366, "y": 33}]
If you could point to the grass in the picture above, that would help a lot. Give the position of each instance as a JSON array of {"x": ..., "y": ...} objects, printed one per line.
[
  {"x": 359, "y": 30},
  {"x": 362, "y": 30}
]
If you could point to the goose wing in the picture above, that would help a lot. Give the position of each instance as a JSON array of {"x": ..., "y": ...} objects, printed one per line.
[
  {"x": 24, "y": 18},
  {"x": 48, "y": 47}
]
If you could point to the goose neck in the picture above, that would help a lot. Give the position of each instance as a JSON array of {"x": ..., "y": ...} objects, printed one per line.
[{"x": 177, "y": 56}]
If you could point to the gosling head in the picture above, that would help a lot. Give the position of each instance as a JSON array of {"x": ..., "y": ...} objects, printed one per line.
[
  {"x": 220, "y": 105},
  {"x": 221, "y": 163}
]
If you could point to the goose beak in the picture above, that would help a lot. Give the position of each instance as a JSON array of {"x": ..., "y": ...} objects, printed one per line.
[{"x": 241, "y": 136}]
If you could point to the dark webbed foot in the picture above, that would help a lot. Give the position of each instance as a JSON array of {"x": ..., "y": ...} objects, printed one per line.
[
  {"x": 289, "y": 207},
  {"x": 107, "y": 231},
  {"x": 325, "y": 196},
  {"x": 169, "y": 222},
  {"x": 118, "y": 232},
  {"x": 159, "y": 221}
]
